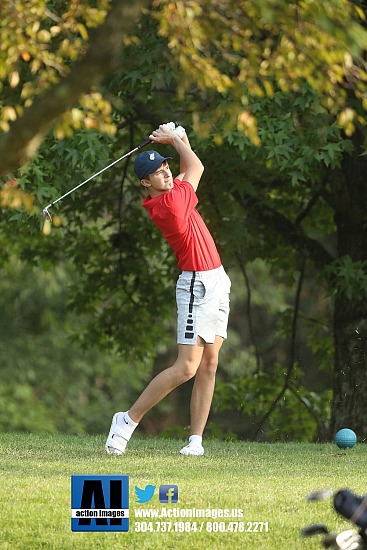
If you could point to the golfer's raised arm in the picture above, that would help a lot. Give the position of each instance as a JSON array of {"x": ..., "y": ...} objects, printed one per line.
[
  {"x": 183, "y": 167},
  {"x": 193, "y": 167}
]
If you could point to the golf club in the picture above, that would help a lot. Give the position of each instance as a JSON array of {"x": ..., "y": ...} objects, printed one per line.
[
  {"x": 46, "y": 214},
  {"x": 320, "y": 494}
]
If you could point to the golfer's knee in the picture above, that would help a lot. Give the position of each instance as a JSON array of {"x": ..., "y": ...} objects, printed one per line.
[
  {"x": 187, "y": 368},
  {"x": 209, "y": 365}
]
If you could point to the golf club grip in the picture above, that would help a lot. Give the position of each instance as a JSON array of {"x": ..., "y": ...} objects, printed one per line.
[
  {"x": 351, "y": 507},
  {"x": 148, "y": 140},
  {"x": 143, "y": 144}
]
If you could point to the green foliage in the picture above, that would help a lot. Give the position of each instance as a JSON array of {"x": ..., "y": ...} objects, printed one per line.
[
  {"x": 276, "y": 46},
  {"x": 40, "y": 41},
  {"x": 253, "y": 365},
  {"x": 21, "y": 410},
  {"x": 47, "y": 383},
  {"x": 61, "y": 165},
  {"x": 300, "y": 141},
  {"x": 276, "y": 200},
  {"x": 322, "y": 346},
  {"x": 299, "y": 414},
  {"x": 348, "y": 277}
]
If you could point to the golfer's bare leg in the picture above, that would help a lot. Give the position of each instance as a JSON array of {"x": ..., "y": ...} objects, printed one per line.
[
  {"x": 203, "y": 390},
  {"x": 183, "y": 369}
]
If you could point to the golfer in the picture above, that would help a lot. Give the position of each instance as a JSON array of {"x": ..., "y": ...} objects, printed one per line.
[{"x": 202, "y": 290}]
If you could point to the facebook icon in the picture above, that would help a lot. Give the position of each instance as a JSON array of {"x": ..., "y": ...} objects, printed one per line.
[{"x": 168, "y": 494}]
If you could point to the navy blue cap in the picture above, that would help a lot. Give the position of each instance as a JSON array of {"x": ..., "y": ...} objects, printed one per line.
[{"x": 147, "y": 162}]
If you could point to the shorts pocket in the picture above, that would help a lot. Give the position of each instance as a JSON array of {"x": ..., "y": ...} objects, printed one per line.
[{"x": 199, "y": 290}]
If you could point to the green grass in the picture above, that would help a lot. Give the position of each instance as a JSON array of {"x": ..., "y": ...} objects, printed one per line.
[{"x": 269, "y": 482}]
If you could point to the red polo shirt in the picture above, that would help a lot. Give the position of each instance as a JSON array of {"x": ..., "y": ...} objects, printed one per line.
[{"x": 183, "y": 227}]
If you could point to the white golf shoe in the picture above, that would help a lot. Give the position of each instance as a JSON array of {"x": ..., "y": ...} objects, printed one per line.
[
  {"x": 192, "y": 450},
  {"x": 118, "y": 437}
]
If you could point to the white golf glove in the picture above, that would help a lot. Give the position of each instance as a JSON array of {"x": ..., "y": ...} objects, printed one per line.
[
  {"x": 170, "y": 125},
  {"x": 179, "y": 130}
]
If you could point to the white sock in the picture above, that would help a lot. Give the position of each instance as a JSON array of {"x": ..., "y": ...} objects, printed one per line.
[
  {"x": 125, "y": 422},
  {"x": 196, "y": 440},
  {"x": 130, "y": 420}
]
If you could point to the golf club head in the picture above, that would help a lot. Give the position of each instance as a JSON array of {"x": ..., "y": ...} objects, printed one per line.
[
  {"x": 46, "y": 214},
  {"x": 320, "y": 494},
  {"x": 329, "y": 541},
  {"x": 314, "y": 529}
]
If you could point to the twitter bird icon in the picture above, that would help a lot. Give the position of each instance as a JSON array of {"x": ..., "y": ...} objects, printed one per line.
[{"x": 144, "y": 495}]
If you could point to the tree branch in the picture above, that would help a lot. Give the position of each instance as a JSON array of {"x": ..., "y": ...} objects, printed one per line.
[
  {"x": 287, "y": 380},
  {"x": 249, "y": 312},
  {"x": 289, "y": 231},
  {"x": 101, "y": 59}
]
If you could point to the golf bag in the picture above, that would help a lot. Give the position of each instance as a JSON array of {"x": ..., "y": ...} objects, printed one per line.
[{"x": 351, "y": 507}]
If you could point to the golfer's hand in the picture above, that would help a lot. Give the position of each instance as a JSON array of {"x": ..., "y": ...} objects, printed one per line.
[
  {"x": 163, "y": 134},
  {"x": 176, "y": 128}
]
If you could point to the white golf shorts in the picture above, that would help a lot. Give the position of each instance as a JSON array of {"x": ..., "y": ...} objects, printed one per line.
[{"x": 202, "y": 305}]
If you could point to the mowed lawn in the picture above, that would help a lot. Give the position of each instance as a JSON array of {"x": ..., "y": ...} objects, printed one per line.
[{"x": 268, "y": 483}]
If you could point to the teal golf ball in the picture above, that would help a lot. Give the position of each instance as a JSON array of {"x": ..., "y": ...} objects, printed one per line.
[{"x": 345, "y": 438}]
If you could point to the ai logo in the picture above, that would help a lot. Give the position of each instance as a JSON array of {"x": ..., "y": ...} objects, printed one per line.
[{"x": 99, "y": 503}]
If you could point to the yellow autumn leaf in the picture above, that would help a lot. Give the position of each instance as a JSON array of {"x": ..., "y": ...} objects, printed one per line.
[
  {"x": 14, "y": 79},
  {"x": 83, "y": 31},
  {"x": 360, "y": 12},
  {"x": 9, "y": 113}
]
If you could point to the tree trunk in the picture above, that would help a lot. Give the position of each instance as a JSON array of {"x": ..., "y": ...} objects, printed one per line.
[
  {"x": 350, "y": 369},
  {"x": 350, "y": 315},
  {"x": 26, "y": 134}
]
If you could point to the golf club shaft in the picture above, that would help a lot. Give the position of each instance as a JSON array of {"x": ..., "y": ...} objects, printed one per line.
[{"x": 45, "y": 210}]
